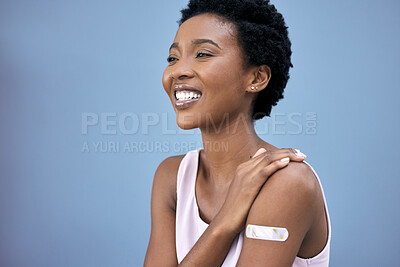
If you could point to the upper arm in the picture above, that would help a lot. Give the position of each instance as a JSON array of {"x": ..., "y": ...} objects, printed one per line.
[
  {"x": 286, "y": 200},
  {"x": 161, "y": 249}
]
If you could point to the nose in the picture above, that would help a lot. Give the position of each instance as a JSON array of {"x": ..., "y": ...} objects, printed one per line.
[{"x": 181, "y": 70}]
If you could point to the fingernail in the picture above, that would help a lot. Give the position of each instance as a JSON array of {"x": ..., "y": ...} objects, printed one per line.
[
  {"x": 298, "y": 153},
  {"x": 285, "y": 160},
  {"x": 259, "y": 151}
]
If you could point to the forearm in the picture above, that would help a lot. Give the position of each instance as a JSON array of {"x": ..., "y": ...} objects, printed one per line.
[{"x": 211, "y": 248}]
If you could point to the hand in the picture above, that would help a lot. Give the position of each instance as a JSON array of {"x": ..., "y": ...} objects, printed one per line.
[{"x": 249, "y": 178}]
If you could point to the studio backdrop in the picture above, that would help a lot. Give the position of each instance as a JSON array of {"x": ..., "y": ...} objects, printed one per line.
[{"x": 85, "y": 122}]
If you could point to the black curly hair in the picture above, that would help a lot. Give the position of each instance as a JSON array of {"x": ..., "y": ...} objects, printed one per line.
[{"x": 263, "y": 36}]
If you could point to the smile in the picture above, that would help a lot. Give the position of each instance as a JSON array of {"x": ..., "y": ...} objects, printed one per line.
[{"x": 185, "y": 96}]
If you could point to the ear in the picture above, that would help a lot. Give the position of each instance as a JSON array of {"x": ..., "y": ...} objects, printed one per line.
[{"x": 260, "y": 77}]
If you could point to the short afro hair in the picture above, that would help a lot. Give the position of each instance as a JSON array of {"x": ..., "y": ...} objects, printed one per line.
[{"x": 263, "y": 37}]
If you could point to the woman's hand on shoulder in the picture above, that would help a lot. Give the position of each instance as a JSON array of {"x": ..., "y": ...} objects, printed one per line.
[{"x": 249, "y": 178}]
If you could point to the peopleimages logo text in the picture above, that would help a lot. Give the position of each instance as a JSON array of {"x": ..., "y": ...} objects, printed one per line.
[{"x": 129, "y": 123}]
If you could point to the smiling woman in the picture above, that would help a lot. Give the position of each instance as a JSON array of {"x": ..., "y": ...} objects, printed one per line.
[{"x": 227, "y": 66}]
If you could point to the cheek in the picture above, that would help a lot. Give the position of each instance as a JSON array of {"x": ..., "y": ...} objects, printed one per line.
[
  {"x": 226, "y": 69},
  {"x": 225, "y": 78}
]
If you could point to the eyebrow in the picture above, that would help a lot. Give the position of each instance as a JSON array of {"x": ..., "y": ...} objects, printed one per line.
[{"x": 197, "y": 41}]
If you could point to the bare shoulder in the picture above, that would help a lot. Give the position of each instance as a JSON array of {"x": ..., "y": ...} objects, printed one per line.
[
  {"x": 294, "y": 189},
  {"x": 296, "y": 175},
  {"x": 165, "y": 178},
  {"x": 169, "y": 166},
  {"x": 290, "y": 198},
  {"x": 161, "y": 248}
]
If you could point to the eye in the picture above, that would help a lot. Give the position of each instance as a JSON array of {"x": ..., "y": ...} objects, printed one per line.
[
  {"x": 171, "y": 59},
  {"x": 201, "y": 54}
]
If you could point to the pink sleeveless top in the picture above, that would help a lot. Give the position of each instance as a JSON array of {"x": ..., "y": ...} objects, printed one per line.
[{"x": 189, "y": 225}]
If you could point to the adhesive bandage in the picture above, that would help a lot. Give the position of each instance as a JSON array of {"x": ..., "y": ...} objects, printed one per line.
[{"x": 266, "y": 232}]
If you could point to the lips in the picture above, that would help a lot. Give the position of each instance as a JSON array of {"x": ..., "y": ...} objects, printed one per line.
[{"x": 186, "y": 96}]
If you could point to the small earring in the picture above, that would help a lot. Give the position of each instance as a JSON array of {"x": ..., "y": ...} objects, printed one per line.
[{"x": 254, "y": 88}]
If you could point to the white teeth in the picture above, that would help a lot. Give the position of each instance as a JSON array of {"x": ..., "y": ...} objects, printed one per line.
[{"x": 186, "y": 96}]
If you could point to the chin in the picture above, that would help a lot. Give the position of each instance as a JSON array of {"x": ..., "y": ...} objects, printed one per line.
[{"x": 187, "y": 121}]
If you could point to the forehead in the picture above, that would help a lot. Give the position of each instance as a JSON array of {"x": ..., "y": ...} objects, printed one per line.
[{"x": 207, "y": 26}]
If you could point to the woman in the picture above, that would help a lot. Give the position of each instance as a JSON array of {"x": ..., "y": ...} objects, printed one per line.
[{"x": 228, "y": 66}]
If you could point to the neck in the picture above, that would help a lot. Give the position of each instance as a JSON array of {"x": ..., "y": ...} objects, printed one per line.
[{"x": 226, "y": 146}]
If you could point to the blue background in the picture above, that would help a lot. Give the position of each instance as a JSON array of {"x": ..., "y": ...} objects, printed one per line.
[{"x": 62, "y": 61}]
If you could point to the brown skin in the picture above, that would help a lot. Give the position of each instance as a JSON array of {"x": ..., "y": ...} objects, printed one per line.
[{"x": 231, "y": 189}]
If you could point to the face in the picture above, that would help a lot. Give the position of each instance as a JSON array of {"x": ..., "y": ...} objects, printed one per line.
[{"x": 205, "y": 77}]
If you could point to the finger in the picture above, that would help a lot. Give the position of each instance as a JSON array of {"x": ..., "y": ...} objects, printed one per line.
[
  {"x": 271, "y": 161},
  {"x": 276, "y": 155},
  {"x": 292, "y": 154},
  {"x": 267, "y": 171},
  {"x": 264, "y": 157},
  {"x": 259, "y": 152}
]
